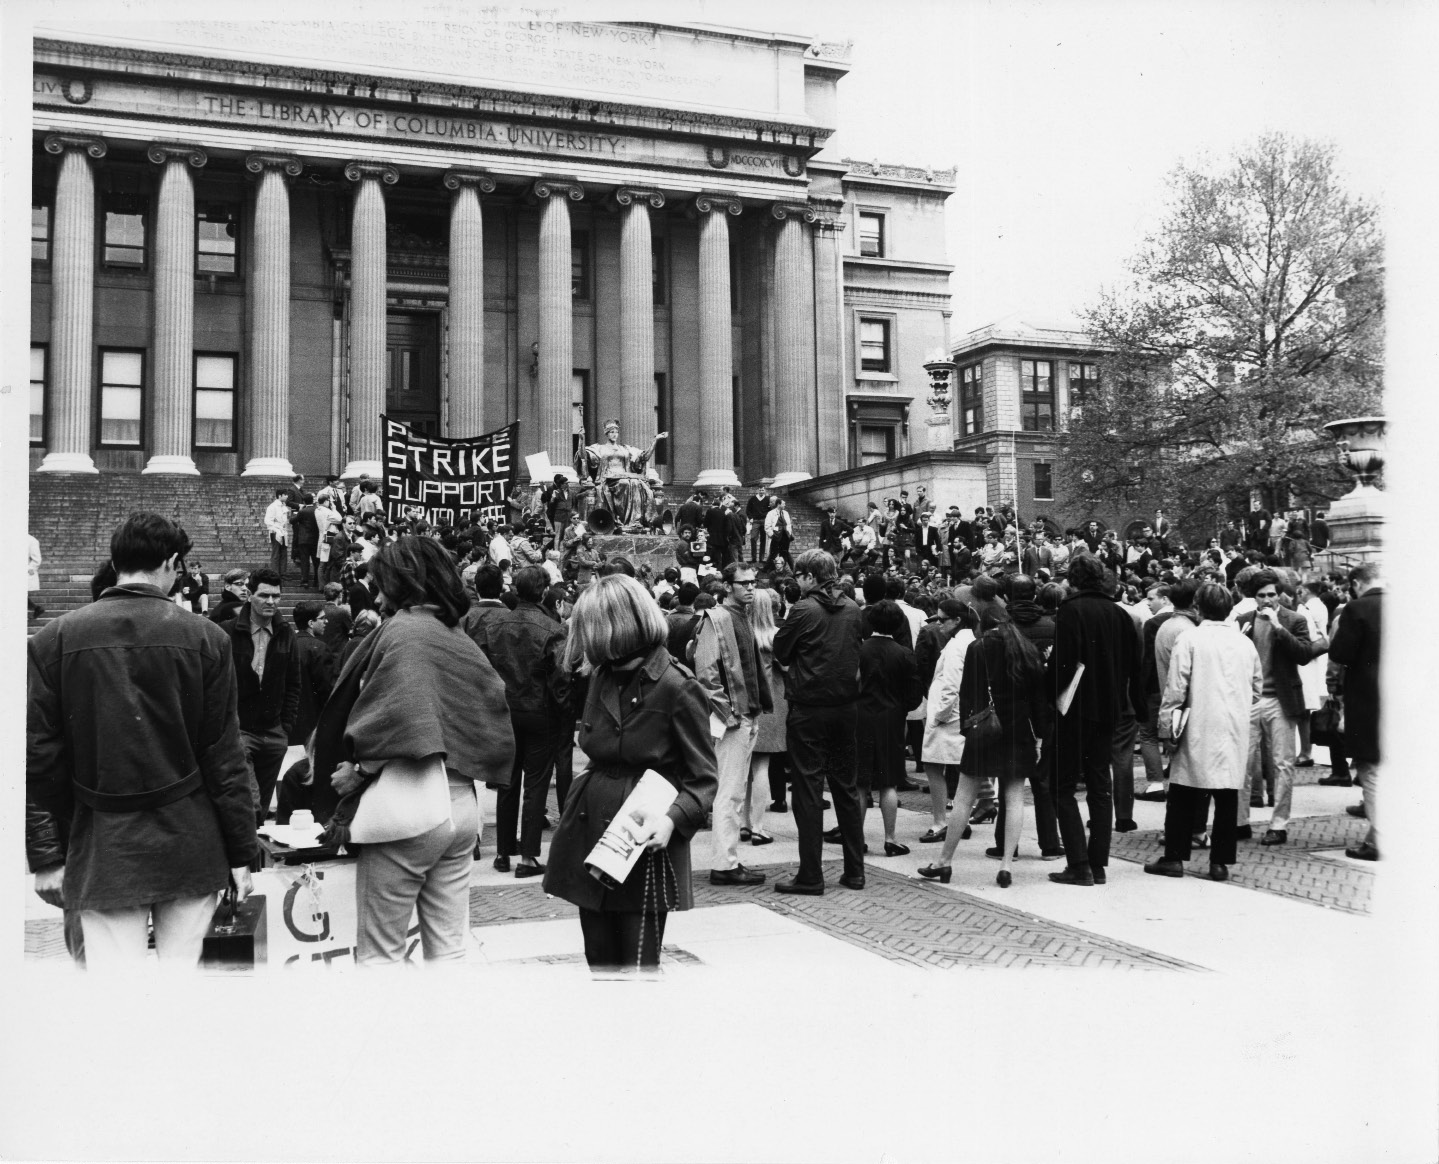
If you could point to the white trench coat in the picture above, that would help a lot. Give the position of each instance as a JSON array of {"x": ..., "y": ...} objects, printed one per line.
[
  {"x": 1218, "y": 669},
  {"x": 943, "y": 743}
]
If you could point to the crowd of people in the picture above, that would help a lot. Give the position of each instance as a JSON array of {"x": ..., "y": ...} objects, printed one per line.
[{"x": 988, "y": 652}]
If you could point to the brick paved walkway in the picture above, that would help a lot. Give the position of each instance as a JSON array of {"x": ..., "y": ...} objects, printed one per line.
[{"x": 1295, "y": 869}]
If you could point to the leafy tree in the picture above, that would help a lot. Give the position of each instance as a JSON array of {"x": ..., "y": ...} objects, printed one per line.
[{"x": 1253, "y": 317}]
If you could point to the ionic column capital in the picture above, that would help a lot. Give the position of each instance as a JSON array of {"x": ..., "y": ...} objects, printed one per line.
[
  {"x": 801, "y": 210},
  {"x": 829, "y": 215},
  {"x": 58, "y": 143},
  {"x": 161, "y": 152},
  {"x": 359, "y": 171},
  {"x": 722, "y": 203},
  {"x": 557, "y": 188},
  {"x": 626, "y": 196},
  {"x": 478, "y": 179},
  {"x": 288, "y": 163}
]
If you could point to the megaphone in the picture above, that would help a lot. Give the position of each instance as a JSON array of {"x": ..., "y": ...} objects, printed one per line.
[{"x": 600, "y": 520}]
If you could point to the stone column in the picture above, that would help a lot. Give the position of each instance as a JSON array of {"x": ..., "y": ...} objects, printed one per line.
[
  {"x": 637, "y": 315},
  {"x": 794, "y": 401},
  {"x": 173, "y": 404},
  {"x": 72, "y": 310},
  {"x": 717, "y": 453},
  {"x": 268, "y": 413},
  {"x": 829, "y": 360},
  {"x": 556, "y": 356},
  {"x": 467, "y": 302},
  {"x": 368, "y": 279}
]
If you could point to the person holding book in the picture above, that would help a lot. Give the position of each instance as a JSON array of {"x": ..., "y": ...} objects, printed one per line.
[{"x": 642, "y": 712}]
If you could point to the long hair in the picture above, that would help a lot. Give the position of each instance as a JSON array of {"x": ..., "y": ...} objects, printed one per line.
[
  {"x": 414, "y": 571},
  {"x": 762, "y": 618},
  {"x": 1021, "y": 659}
]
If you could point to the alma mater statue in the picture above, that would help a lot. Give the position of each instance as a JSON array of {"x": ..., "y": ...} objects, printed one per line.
[{"x": 618, "y": 471}]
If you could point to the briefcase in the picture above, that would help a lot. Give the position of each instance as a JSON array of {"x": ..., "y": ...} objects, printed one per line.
[{"x": 236, "y": 940}]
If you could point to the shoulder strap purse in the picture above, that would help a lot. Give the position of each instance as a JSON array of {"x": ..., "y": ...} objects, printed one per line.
[{"x": 983, "y": 727}]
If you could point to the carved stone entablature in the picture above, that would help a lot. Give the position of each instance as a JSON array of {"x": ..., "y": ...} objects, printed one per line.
[
  {"x": 481, "y": 181},
  {"x": 288, "y": 163},
  {"x": 801, "y": 210},
  {"x": 858, "y": 169},
  {"x": 359, "y": 171},
  {"x": 625, "y": 195},
  {"x": 723, "y": 203},
  {"x": 161, "y": 152},
  {"x": 831, "y": 50},
  {"x": 58, "y": 143},
  {"x": 558, "y": 188}
]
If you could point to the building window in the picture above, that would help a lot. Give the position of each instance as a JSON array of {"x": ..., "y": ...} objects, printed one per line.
[
  {"x": 216, "y": 231},
  {"x": 876, "y": 431},
  {"x": 124, "y": 230},
  {"x": 874, "y": 345},
  {"x": 1036, "y": 384},
  {"x": 971, "y": 399},
  {"x": 38, "y": 359},
  {"x": 871, "y": 234},
  {"x": 122, "y": 397},
  {"x": 876, "y": 443},
  {"x": 580, "y": 265},
  {"x": 40, "y": 233},
  {"x": 1043, "y": 481},
  {"x": 657, "y": 270},
  {"x": 214, "y": 401},
  {"x": 662, "y": 421}
]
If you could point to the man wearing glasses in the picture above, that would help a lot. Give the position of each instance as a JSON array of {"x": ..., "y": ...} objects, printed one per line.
[
  {"x": 1282, "y": 639},
  {"x": 267, "y": 673}
]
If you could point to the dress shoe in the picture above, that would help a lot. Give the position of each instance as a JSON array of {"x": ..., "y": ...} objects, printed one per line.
[
  {"x": 1274, "y": 837},
  {"x": 1005, "y": 879},
  {"x": 1364, "y": 852},
  {"x": 825, "y": 805},
  {"x": 761, "y": 839},
  {"x": 1306, "y": 762},
  {"x": 477, "y": 852},
  {"x": 1099, "y": 874},
  {"x": 984, "y": 815},
  {"x": 1051, "y": 854},
  {"x": 1164, "y": 867},
  {"x": 893, "y": 850},
  {"x": 529, "y": 870},
  {"x": 1153, "y": 792},
  {"x": 1244, "y": 833},
  {"x": 968, "y": 832},
  {"x": 1125, "y": 826},
  {"x": 502, "y": 864},
  {"x": 803, "y": 888},
  {"x": 831, "y": 836},
  {"x": 934, "y": 835},
  {"x": 739, "y": 875},
  {"x": 1357, "y": 810},
  {"x": 852, "y": 882},
  {"x": 940, "y": 873},
  {"x": 1072, "y": 876},
  {"x": 745, "y": 834},
  {"x": 1336, "y": 781},
  {"x": 1199, "y": 841},
  {"x": 1218, "y": 872},
  {"x": 778, "y": 806}
]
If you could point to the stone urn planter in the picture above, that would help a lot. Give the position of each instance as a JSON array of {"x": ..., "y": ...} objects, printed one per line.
[{"x": 1356, "y": 520}]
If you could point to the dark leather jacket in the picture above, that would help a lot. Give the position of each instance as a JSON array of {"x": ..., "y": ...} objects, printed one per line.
[
  {"x": 523, "y": 645},
  {"x": 275, "y": 703}
]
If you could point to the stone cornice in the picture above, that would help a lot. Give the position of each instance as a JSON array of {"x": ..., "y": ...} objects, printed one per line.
[
  {"x": 563, "y": 187},
  {"x": 432, "y": 95},
  {"x": 258, "y": 163},
  {"x": 358, "y": 171},
  {"x": 626, "y": 195},
  {"x": 479, "y": 179},
  {"x": 58, "y": 143},
  {"x": 161, "y": 152}
]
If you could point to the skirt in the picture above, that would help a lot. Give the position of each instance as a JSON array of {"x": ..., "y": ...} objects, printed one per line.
[{"x": 879, "y": 743}]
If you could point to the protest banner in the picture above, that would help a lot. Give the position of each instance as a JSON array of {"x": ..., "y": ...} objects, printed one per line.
[{"x": 451, "y": 481}]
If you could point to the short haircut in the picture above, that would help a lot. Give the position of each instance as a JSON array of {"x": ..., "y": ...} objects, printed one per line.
[
  {"x": 705, "y": 601},
  {"x": 886, "y": 618},
  {"x": 1366, "y": 573},
  {"x": 1086, "y": 572},
  {"x": 687, "y": 593},
  {"x": 1159, "y": 588},
  {"x": 102, "y": 579},
  {"x": 873, "y": 588},
  {"x": 819, "y": 564},
  {"x": 618, "y": 565},
  {"x": 616, "y": 618},
  {"x": 531, "y": 583},
  {"x": 735, "y": 569},
  {"x": 1183, "y": 595},
  {"x": 238, "y": 574},
  {"x": 951, "y": 608},
  {"x": 1022, "y": 588},
  {"x": 414, "y": 571},
  {"x": 1051, "y": 594},
  {"x": 264, "y": 576},
  {"x": 1213, "y": 602},
  {"x": 144, "y": 542},
  {"x": 671, "y": 574},
  {"x": 306, "y": 612},
  {"x": 333, "y": 590},
  {"x": 489, "y": 581},
  {"x": 1259, "y": 580},
  {"x": 894, "y": 589},
  {"x": 985, "y": 589}
]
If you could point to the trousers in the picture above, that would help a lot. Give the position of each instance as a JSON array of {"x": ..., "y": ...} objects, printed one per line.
[
  {"x": 277, "y": 555},
  {"x": 1368, "y": 773},
  {"x": 822, "y": 750},
  {"x": 117, "y": 939},
  {"x": 429, "y": 873},
  {"x": 1082, "y": 756},
  {"x": 266, "y": 752},
  {"x": 537, "y": 739},
  {"x": 1185, "y": 809},
  {"x": 732, "y": 757},
  {"x": 1271, "y": 755},
  {"x": 617, "y": 940},
  {"x": 1148, "y": 735},
  {"x": 1121, "y": 763},
  {"x": 1041, "y": 783}
]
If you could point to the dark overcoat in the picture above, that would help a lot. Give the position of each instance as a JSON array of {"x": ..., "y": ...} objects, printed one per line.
[
  {"x": 1356, "y": 646},
  {"x": 1092, "y": 629}
]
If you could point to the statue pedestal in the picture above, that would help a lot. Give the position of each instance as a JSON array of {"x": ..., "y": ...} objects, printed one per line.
[
  {"x": 1356, "y": 529},
  {"x": 654, "y": 550}
]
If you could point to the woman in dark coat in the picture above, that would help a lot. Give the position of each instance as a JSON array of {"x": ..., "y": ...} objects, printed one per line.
[
  {"x": 1003, "y": 666},
  {"x": 642, "y": 712},
  {"x": 889, "y": 688}
]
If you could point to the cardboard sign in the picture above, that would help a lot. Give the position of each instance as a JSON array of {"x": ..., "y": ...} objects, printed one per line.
[
  {"x": 311, "y": 919},
  {"x": 452, "y": 481}
]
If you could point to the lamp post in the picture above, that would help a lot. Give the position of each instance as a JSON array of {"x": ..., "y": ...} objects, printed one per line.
[{"x": 940, "y": 370}]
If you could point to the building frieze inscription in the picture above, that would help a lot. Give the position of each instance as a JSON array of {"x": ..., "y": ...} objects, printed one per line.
[{"x": 340, "y": 119}]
